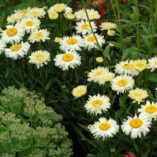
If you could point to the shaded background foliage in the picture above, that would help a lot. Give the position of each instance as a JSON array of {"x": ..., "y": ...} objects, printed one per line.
[{"x": 136, "y": 38}]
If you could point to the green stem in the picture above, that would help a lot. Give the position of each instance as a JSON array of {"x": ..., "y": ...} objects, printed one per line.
[
  {"x": 137, "y": 27},
  {"x": 155, "y": 17},
  {"x": 135, "y": 145},
  {"x": 97, "y": 42},
  {"x": 114, "y": 10},
  {"x": 119, "y": 23},
  {"x": 100, "y": 48}
]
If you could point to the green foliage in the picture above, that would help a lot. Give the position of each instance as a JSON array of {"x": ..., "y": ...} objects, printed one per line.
[
  {"x": 28, "y": 128},
  {"x": 23, "y": 113}
]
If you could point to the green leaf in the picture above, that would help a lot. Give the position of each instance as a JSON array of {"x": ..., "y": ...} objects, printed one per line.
[
  {"x": 152, "y": 77},
  {"x": 106, "y": 53}
]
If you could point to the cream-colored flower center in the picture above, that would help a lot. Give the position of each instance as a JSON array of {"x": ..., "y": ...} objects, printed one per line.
[
  {"x": 39, "y": 35},
  {"x": 12, "y": 31},
  {"x": 79, "y": 90},
  {"x": 67, "y": 57},
  {"x": 97, "y": 103},
  {"x": 40, "y": 57},
  {"x": 29, "y": 23},
  {"x": 91, "y": 39},
  {"x": 16, "y": 47},
  {"x": 151, "y": 109},
  {"x": 72, "y": 41},
  {"x": 141, "y": 65},
  {"x": 128, "y": 66},
  {"x": 104, "y": 126},
  {"x": 138, "y": 94},
  {"x": 85, "y": 26},
  {"x": 122, "y": 82},
  {"x": 136, "y": 123},
  {"x": 98, "y": 73}
]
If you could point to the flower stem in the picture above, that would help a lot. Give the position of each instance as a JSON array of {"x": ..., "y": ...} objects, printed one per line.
[
  {"x": 155, "y": 17},
  {"x": 118, "y": 16},
  {"x": 137, "y": 27}
]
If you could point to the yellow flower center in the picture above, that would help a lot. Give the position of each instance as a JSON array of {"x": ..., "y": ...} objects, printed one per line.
[
  {"x": 136, "y": 123},
  {"x": 16, "y": 47},
  {"x": 128, "y": 66},
  {"x": 67, "y": 57},
  {"x": 40, "y": 57},
  {"x": 98, "y": 73},
  {"x": 24, "y": 11},
  {"x": 151, "y": 109},
  {"x": 139, "y": 94},
  {"x": 12, "y": 31},
  {"x": 122, "y": 82},
  {"x": 85, "y": 26},
  {"x": 91, "y": 39},
  {"x": 104, "y": 126},
  {"x": 155, "y": 62},
  {"x": 29, "y": 23},
  {"x": 97, "y": 103},
  {"x": 39, "y": 35},
  {"x": 72, "y": 41},
  {"x": 141, "y": 65}
]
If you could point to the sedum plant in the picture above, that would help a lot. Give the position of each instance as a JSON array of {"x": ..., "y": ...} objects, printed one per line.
[{"x": 30, "y": 129}]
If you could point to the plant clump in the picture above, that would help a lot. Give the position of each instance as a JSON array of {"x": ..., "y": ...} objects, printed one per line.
[{"x": 28, "y": 128}]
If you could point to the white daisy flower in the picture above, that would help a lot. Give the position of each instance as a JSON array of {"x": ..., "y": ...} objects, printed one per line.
[
  {"x": 97, "y": 104},
  {"x": 37, "y": 12},
  {"x": 73, "y": 43},
  {"x": 99, "y": 59},
  {"x": 136, "y": 126},
  {"x": 79, "y": 91},
  {"x": 108, "y": 26},
  {"x": 140, "y": 64},
  {"x": 30, "y": 24},
  {"x": 138, "y": 95},
  {"x": 126, "y": 67},
  {"x": 24, "y": 12},
  {"x": 53, "y": 15},
  {"x": 90, "y": 41},
  {"x": 18, "y": 15},
  {"x": 69, "y": 16},
  {"x": 69, "y": 13},
  {"x": 100, "y": 75},
  {"x": 92, "y": 14},
  {"x": 14, "y": 17},
  {"x": 59, "y": 7},
  {"x": 122, "y": 83},
  {"x": 152, "y": 64},
  {"x": 39, "y": 35},
  {"x": 17, "y": 50},
  {"x": 12, "y": 34},
  {"x": 67, "y": 60},
  {"x": 68, "y": 10},
  {"x": 149, "y": 110},
  {"x": 104, "y": 128},
  {"x": 2, "y": 46},
  {"x": 83, "y": 27},
  {"x": 39, "y": 58}
]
